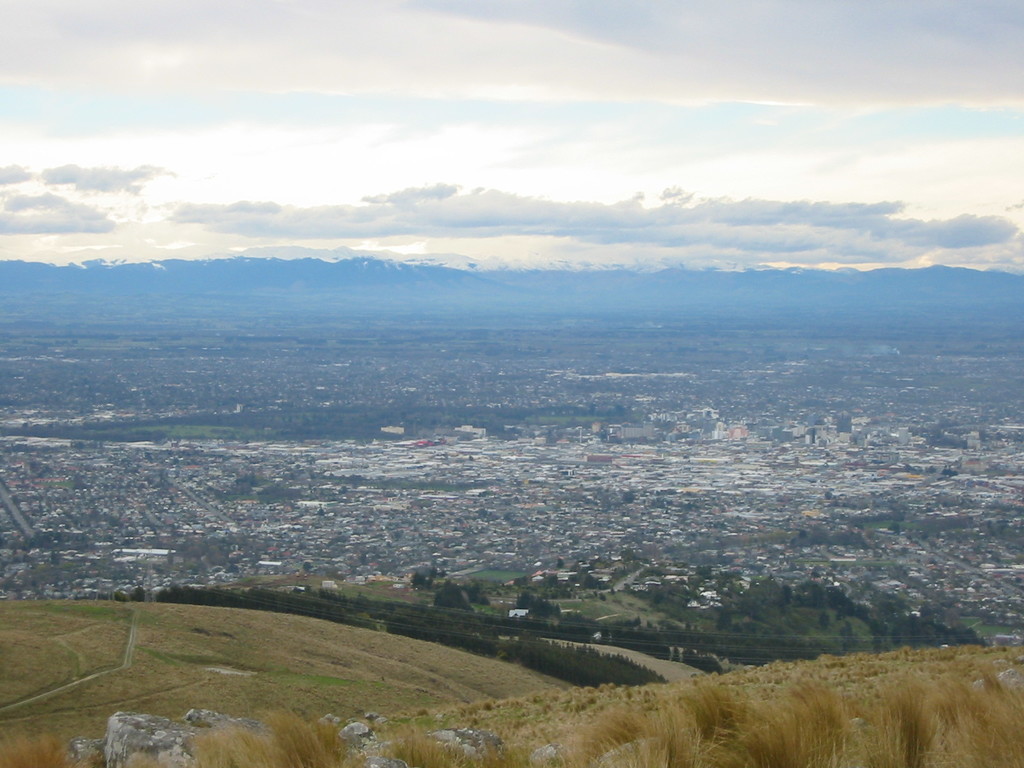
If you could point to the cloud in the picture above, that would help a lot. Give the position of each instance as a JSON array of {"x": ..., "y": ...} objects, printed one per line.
[
  {"x": 770, "y": 50},
  {"x": 13, "y": 174},
  {"x": 102, "y": 179},
  {"x": 50, "y": 214},
  {"x": 413, "y": 195},
  {"x": 752, "y": 230}
]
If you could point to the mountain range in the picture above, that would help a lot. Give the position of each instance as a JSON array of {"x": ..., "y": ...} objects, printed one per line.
[{"x": 359, "y": 281}]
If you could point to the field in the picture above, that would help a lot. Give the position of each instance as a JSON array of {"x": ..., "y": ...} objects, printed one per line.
[{"x": 241, "y": 662}]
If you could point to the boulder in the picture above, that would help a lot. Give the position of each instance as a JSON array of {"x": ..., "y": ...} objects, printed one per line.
[
  {"x": 166, "y": 742},
  {"x": 549, "y": 753},
  {"x": 1011, "y": 678},
  {"x": 207, "y": 718},
  {"x": 81, "y": 750},
  {"x": 375, "y": 761},
  {"x": 357, "y": 734},
  {"x": 472, "y": 742}
]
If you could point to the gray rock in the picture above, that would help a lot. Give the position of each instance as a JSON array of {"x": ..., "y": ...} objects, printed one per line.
[
  {"x": 624, "y": 754},
  {"x": 330, "y": 720},
  {"x": 81, "y": 750},
  {"x": 470, "y": 741},
  {"x": 549, "y": 753},
  {"x": 207, "y": 718},
  {"x": 375, "y": 717},
  {"x": 1011, "y": 678},
  {"x": 357, "y": 734},
  {"x": 376, "y": 761},
  {"x": 168, "y": 743}
]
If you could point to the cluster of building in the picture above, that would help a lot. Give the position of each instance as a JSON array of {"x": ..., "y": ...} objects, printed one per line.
[{"x": 934, "y": 523}]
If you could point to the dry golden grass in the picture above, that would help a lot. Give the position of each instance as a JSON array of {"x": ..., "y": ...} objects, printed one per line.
[
  {"x": 417, "y": 749},
  {"x": 921, "y": 709},
  {"x": 895, "y": 721},
  {"x": 43, "y": 752},
  {"x": 809, "y": 728},
  {"x": 289, "y": 662}
]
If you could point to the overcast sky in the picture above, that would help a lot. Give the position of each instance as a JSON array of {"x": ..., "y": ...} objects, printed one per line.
[{"x": 731, "y": 133}]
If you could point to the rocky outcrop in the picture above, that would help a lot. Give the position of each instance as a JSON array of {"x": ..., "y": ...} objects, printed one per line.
[
  {"x": 1011, "y": 678},
  {"x": 87, "y": 751},
  {"x": 375, "y": 761},
  {"x": 357, "y": 735},
  {"x": 549, "y": 753},
  {"x": 207, "y": 718},
  {"x": 168, "y": 743},
  {"x": 1008, "y": 678},
  {"x": 471, "y": 742}
]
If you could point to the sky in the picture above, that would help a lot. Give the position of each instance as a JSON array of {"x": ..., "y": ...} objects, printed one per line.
[{"x": 509, "y": 133}]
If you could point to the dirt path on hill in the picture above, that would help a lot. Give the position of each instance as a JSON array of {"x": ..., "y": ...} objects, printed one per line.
[
  {"x": 126, "y": 662},
  {"x": 670, "y": 670}
]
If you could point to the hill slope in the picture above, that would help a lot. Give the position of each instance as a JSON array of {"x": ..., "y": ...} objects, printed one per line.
[{"x": 232, "y": 660}]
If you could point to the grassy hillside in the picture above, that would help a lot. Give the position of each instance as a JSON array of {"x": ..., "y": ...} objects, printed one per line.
[
  {"x": 906, "y": 709},
  {"x": 225, "y": 659},
  {"x": 935, "y": 708}
]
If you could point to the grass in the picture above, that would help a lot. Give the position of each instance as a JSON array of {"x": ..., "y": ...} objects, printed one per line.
[
  {"x": 186, "y": 657},
  {"x": 292, "y": 678},
  {"x": 899, "y": 710},
  {"x": 43, "y": 752},
  {"x": 43, "y": 645},
  {"x": 988, "y": 630}
]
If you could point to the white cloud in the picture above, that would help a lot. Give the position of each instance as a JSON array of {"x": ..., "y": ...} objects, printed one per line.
[
  {"x": 102, "y": 179},
  {"x": 50, "y": 214},
  {"x": 764, "y": 50},
  {"x": 13, "y": 174},
  {"x": 748, "y": 231}
]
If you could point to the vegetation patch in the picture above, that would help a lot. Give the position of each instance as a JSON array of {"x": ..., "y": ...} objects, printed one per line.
[{"x": 498, "y": 576}]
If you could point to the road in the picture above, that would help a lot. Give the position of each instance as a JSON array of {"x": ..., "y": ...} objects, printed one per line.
[
  {"x": 12, "y": 509},
  {"x": 626, "y": 581},
  {"x": 211, "y": 510},
  {"x": 126, "y": 662}
]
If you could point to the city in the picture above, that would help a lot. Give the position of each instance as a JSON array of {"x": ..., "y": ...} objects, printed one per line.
[{"x": 857, "y": 464}]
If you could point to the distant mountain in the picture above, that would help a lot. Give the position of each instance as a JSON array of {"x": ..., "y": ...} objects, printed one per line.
[
  {"x": 362, "y": 281},
  {"x": 242, "y": 274}
]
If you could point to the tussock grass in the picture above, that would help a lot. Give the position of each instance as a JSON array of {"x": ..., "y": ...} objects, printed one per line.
[
  {"x": 417, "y": 749},
  {"x": 290, "y": 743},
  {"x": 907, "y": 726},
  {"x": 809, "y": 728},
  {"x": 45, "y": 752},
  {"x": 717, "y": 711}
]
